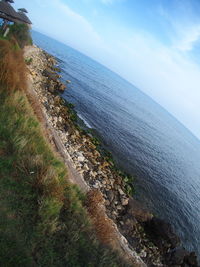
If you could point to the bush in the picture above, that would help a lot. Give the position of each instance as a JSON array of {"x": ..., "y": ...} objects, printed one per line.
[{"x": 21, "y": 33}]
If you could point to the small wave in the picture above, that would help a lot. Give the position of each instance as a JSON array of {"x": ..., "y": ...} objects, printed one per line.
[{"x": 84, "y": 120}]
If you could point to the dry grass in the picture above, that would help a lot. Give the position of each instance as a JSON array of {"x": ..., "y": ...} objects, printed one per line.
[
  {"x": 12, "y": 66},
  {"x": 103, "y": 225}
]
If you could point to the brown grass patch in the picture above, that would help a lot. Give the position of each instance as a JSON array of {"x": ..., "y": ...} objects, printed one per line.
[
  {"x": 12, "y": 66},
  {"x": 103, "y": 225}
]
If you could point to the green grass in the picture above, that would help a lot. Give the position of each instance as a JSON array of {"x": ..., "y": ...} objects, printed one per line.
[{"x": 43, "y": 222}]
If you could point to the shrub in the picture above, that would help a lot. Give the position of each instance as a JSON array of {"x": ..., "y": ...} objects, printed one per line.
[{"x": 21, "y": 33}]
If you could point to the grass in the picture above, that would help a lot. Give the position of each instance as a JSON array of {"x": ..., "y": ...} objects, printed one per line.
[{"x": 42, "y": 218}]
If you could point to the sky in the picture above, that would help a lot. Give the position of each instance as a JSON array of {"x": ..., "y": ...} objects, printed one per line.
[{"x": 154, "y": 44}]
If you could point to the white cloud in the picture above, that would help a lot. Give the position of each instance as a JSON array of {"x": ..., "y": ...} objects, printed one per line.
[
  {"x": 184, "y": 25},
  {"x": 189, "y": 37}
]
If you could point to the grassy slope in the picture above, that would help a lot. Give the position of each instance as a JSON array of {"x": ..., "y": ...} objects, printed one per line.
[{"x": 42, "y": 220}]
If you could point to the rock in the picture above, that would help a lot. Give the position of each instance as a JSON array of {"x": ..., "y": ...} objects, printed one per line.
[
  {"x": 107, "y": 203},
  {"x": 108, "y": 187},
  {"x": 162, "y": 233},
  {"x": 191, "y": 259},
  {"x": 80, "y": 158},
  {"x": 143, "y": 254},
  {"x": 57, "y": 100},
  {"x": 61, "y": 87},
  {"x": 119, "y": 207},
  {"x": 50, "y": 75},
  {"x": 50, "y": 86},
  {"x": 96, "y": 186},
  {"x": 176, "y": 256},
  {"x": 56, "y": 69},
  {"x": 121, "y": 192},
  {"x": 140, "y": 213},
  {"x": 85, "y": 167},
  {"x": 110, "y": 195},
  {"x": 124, "y": 201},
  {"x": 129, "y": 224}
]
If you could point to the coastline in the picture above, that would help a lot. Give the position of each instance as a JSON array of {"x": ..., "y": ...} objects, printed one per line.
[{"x": 138, "y": 226}]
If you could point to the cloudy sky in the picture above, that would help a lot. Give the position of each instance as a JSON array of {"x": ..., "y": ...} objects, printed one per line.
[{"x": 154, "y": 44}]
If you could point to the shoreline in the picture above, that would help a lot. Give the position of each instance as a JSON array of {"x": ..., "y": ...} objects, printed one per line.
[{"x": 134, "y": 222}]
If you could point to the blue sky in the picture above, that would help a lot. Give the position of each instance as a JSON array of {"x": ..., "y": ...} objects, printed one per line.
[{"x": 154, "y": 44}]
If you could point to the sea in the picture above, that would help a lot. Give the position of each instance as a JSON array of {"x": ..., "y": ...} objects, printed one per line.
[{"x": 146, "y": 141}]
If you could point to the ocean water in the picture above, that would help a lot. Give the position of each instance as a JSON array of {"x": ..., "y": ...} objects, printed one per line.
[{"x": 145, "y": 139}]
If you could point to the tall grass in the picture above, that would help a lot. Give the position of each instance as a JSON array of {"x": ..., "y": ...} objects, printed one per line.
[
  {"x": 42, "y": 219},
  {"x": 12, "y": 67}
]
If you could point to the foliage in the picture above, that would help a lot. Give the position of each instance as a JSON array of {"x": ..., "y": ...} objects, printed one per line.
[
  {"x": 28, "y": 61},
  {"x": 21, "y": 33}
]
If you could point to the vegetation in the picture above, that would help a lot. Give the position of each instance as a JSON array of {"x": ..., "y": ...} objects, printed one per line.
[
  {"x": 28, "y": 61},
  {"x": 43, "y": 221},
  {"x": 20, "y": 32}
]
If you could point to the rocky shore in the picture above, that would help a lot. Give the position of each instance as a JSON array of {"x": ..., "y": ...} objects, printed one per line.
[{"x": 153, "y": 239}]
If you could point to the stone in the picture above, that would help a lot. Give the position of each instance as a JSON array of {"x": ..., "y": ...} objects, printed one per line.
[
  {"x": 177, "y": 256},
  {"x": 110, "y": 195},
  {"x": 107, "y": 203},
  {"x": 162, "y": 233},
  {"x": 108, "y": 187},
  {"x": 119, "y": 207},
  {"x": 57, "y": 100},
  {"x": 191, "y": 259},
  {"x": 143, "y": 254},
  {"x": 50, "y": 75},
  {"x": 85, "y": 167},
  {"x": 124, "y": 201},
  {"x": 135, "y": 209},
  {"x": 121, "y": 192},
  {"x": 81, "y": 158}
]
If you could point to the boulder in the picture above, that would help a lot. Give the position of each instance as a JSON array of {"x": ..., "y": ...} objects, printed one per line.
[
  {"x": 124, "y": 201},
  {"x": 161, "y": 233},
  {"x": 191, "y": 260},
  {"x": 135, "y": 209},
  {"x": 61, "y": 87},
  {"x": 57, "y": 100},
  {"x": 50, "y": 85},
  {"x": 111, "y": 195},
  {"x": 176, "y": 256},
  {"x": 50, "y": 75}
]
